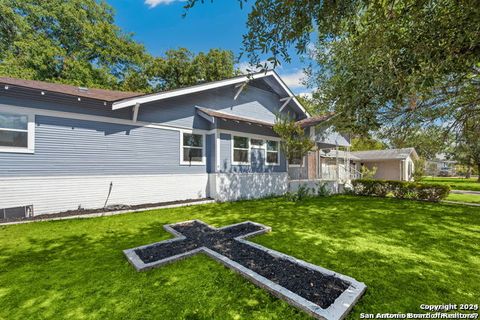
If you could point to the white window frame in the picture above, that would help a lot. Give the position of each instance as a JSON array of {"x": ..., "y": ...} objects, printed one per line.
[
  {"x": 204, "y": 146},
  {"x": 233, "y": 148},
  {"x": 30, "y": 133},
  {"x": 298, "y": 165},
  {"x": 277, "y": 152}
]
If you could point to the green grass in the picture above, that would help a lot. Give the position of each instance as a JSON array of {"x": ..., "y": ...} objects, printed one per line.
[
  {"x": 455, "y": 183},
  {"x": 408, "y": 253},
  {"x": 471, "y": 198}
]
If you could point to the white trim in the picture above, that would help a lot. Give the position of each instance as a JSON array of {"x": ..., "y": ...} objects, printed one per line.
[
  {"x": 217, "y": 84},
  {"x": 135, "y": 112},
  {"x": 287, "y": 101},
  {"x": 179, "y": 92},
  {"x": 249, "y": 149},
  {"x": 193, "y": 163},
  {"x": 94, "y": 118},
  {"x": 277, "y": 151},
  {"x": 30, "y": 133},
  {"x": 249, "y": 135},
  {"x": 217, "y": 149},
  {"x": 240, "y": 89}
]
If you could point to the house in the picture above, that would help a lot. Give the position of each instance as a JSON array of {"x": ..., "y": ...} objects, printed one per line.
[
  {"x": 64, "y": 147},
  {"x": 390, "y": 164},
  {"x": 440, "y": 166}
]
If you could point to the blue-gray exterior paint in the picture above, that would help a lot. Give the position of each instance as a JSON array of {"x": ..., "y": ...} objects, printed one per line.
[
  {"x": 65, "y": 147},
  {"x": 257, "y": 160},
  {"x": 252, "y": 103},
  {"x": 69, "y": 147}
]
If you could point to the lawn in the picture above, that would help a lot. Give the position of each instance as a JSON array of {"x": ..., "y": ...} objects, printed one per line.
[
  {"x": 472, "y": 198},
  {"x": 408, "y": 253},
  {"x": 455, "y": 183}
]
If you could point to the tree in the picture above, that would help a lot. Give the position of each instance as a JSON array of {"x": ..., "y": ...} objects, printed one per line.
[
  {"x": 295, "y": 143},
  {"x": 427, "y": 141},
  {"x": 360, "y": 143},
  {"x": 377, "y": 62},
  {"x": 180, "y": 68},
  {"x": 467, "y": 148},
  {"x": 77, "y": 42},
  {"x": 72, "y": 42}
]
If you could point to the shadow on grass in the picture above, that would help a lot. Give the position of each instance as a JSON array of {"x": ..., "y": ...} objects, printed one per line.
[{"x": 406, "y": 252}]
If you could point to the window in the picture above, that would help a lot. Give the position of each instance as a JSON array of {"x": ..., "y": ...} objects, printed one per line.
[
  {"x": 256, "y": 143},
  {"x": 272, "y": 152},
  {"x": 192, "y": 149},
  {"x": 16, "y": 132},
  {"x": 241, "y": 150},
  {"x": 297, "y": 160}
]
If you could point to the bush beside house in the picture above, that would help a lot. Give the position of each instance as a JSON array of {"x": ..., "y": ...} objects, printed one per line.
[{"x": 400, "y": 189}]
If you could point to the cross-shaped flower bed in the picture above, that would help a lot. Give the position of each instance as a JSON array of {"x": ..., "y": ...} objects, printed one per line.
[{"x": 320, "y": 292}]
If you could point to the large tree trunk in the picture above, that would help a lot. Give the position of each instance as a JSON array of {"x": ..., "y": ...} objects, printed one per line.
[
  {"x": 478, "y": 167},
  {"x": 469, "y": 172}
]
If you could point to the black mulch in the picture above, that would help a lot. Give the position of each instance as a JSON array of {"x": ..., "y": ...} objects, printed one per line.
[
  {"x": 310, "y": 284},
  {"x": 110, "y": 208}
]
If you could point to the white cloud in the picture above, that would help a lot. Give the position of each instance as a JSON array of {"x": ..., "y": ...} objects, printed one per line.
[
  {"x": 294, "y": 79},
  {"x": 154, "y": 3}
]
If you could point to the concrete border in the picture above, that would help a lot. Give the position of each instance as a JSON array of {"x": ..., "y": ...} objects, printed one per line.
[
  {"x": 110, "y": 213},
  {"x": 336, "y": 311}
]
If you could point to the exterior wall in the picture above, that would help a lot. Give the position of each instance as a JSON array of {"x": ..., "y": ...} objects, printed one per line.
[
  {"x": 386, "y": 170},
  {"x": 51, "y": 194},
  {"x": 252, "y": 103},
  {"x": 238, "y": 186},
  {"x": 257, "y": 159},
  {"x": 332, "y": 186},
  {"x": 81, "y": 149},
  {"x": 69, "y": 147}
]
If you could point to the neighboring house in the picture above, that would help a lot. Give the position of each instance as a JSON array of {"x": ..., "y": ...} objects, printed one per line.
[
  {"x": 64, "y": 147},
  {"x": 440, "y": 166},
  {"x": 390, "y": 164}
]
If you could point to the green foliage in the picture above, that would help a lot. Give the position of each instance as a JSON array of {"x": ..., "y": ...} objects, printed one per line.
[
  {"x": 400, "y": 189},
  {"x": 467, "y": 147},
  {"x": 295, "y": 142},
  {"x": 427, "y": 141},
  {"x": 361, "y": 143},
  {"x": 77, "y": 42},
  {"x": 419, "y": 169},
  {"x": 301, "y": 194},
  {"x": 322, "y": 189},
  {"x": 368, "y": 173},
  {"x": 377, "y": 62}
]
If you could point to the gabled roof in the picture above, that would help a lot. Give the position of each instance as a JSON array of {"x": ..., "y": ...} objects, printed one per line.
[
  {"x": 286, "y": 92},
  {"x": 92, "y": 93},
  {"x": 388, "y": 154}
]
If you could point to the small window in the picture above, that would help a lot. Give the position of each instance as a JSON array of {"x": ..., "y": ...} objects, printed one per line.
[
  {"x": 16, "y": 132},
  {"x": 192, "y": 148},
  {"x": 256, "y": 143},
  {"x": 241, "y": 150},
  {"x": 272, "y": 152},
  {"x": 297, "y": 160}
]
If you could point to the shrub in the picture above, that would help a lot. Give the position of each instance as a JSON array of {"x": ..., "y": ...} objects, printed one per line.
[
  {"x": 302, "y": 193},
  {"x": 400, "y": 189},
  {"x": 322, "y": 189}
]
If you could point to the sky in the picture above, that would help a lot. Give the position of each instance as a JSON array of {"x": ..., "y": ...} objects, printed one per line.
[{"x": 159, "y": 26}]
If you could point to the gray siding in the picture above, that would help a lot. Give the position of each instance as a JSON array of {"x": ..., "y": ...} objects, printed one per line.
[
  {"x": 251, "y": 103},
  {"x": 257, "y": 159},
  {"x": 65, "y": 105},
  {"x": 76, "y": 147}
]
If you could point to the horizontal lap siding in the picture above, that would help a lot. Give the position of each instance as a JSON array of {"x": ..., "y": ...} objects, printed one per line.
[
  {"x": 257, "y": 164},
  {"x": 180, "y": 111},
  {"x": 77, "y": 147}
]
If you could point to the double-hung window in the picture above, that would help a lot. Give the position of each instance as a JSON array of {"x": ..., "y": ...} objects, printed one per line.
[
  {"x": 16, "y": 132},
  {"x": 273, "y": 157},
  {"x": 192, "y": 150},
  {"x": 241, "y": 150}
]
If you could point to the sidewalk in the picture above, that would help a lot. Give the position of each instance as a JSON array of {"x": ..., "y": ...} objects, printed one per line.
[{"x": 465, "y": 192}]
